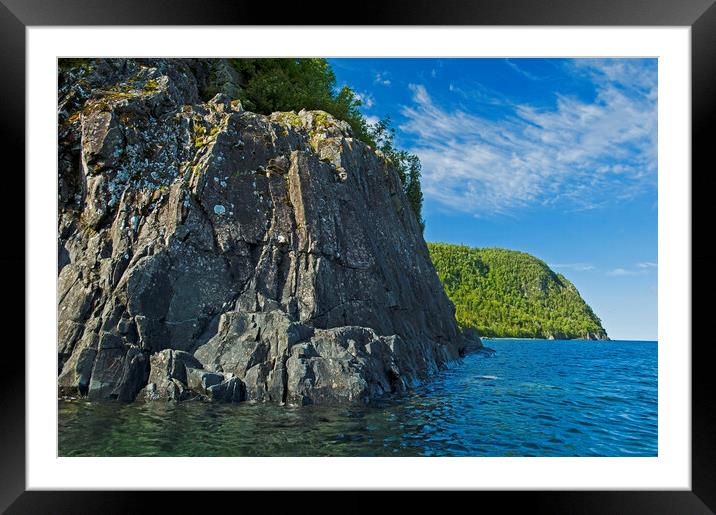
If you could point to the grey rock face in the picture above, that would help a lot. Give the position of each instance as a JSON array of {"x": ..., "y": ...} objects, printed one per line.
[
  {"x": 209, "y": 251},
  {"x": 168, "y": 377},
  {"x": 231, "y": 390},
  {"x": 199, "y": 380}
]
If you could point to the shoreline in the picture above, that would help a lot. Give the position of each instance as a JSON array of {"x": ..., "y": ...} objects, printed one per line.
[{"x": 487, "y": 338}]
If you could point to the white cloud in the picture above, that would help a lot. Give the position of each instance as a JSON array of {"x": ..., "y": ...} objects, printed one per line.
[
  {"x": 521, "y": 71},
  {"x": 620, "y": 272},
  {"x": 576, "y": 155},
  {"x": 366, "y": 99},
  {"x": 372, "y": 120},
  {"x": 626, "y": 73},
  {"x": 577, "y": 267},
  {"x": 382, "y": 78},
  {"x": 639, "y": 269}
]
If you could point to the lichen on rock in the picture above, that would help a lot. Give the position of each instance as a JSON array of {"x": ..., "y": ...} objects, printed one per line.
[{"x": 276, "y": 260}]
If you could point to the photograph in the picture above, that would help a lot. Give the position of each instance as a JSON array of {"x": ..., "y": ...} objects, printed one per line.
[
  {"x": 357, "y": 257},
  {"x": 424, "y": 248}
]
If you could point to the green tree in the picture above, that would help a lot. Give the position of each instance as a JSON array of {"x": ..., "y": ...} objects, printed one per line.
[
  {"x": 269, "y": 85},
  {"x": 407, "y": 165},
  {"x": 505, "y": 293}
]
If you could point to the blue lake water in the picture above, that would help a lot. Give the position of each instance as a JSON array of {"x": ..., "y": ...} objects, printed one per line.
[{"x": 532, "y": 398}]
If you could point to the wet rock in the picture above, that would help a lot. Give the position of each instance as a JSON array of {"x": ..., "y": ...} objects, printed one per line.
[
  {"x": 168, "y": 374},
  {"x": 199, "y": 380},
  {"x": 472, "y": 340},
  {"x": 231, "y": 390},
  {"x": 134, "y": 375},
  {"x": 76, "y": 372}
]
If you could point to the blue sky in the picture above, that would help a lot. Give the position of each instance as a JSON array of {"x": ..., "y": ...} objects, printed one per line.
[{"x": 555, "y": 157}]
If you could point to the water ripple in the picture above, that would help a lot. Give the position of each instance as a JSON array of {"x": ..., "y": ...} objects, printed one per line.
[{"x": 533, "y": 398}]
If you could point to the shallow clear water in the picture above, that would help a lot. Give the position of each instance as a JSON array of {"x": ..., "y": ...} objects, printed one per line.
[{"x": 532, "y": 398}]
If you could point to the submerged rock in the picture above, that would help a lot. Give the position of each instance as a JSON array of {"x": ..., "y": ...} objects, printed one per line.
[{"x": 208, "y": 251}]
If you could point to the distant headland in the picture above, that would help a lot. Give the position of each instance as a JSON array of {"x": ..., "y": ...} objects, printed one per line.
[{"x": 506, "y": 293}]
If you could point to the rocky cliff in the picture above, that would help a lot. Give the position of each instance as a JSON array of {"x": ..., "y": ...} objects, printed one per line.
[{"x": 207, "y": 251}]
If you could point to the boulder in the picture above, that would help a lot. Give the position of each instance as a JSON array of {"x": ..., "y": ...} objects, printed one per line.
[
  {"x": 473, "y": 342},
  {"x": 199, "y": 380},
  {"x": 168, "y": 378},
  {"x": 231, "y": 390}
]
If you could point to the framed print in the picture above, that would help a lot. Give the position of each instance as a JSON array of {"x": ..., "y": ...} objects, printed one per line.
[{"x": 432, "y": 249}]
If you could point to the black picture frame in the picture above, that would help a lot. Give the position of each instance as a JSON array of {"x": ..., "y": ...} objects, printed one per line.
[{"x": 16, "y": 15}]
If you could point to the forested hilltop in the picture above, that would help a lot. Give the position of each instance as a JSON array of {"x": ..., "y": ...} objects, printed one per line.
[{"x": 506, "y": 293}]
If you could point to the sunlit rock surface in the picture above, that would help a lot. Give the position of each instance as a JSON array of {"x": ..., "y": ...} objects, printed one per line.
[{"x": 209, "y": 252}]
